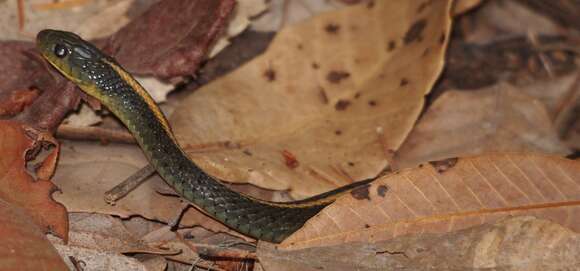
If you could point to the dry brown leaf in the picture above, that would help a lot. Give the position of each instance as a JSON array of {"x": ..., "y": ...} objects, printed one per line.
[
  {"x": 447, "y": 196},
  {"x": 520, "y": 243},
  {"x": 24, "y": 246},
  {"x": 19, "y": 188},
  {"x": 326, "y": 105},
  {"x": 499, "y": 118},
  {"x": 87, "y": 170}
]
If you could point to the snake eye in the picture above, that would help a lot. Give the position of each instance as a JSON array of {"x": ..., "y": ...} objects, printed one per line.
[{"x": 60, "y": 50}]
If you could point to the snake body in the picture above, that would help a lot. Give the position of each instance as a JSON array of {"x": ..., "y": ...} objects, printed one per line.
[{"x": 101, "y": 77}]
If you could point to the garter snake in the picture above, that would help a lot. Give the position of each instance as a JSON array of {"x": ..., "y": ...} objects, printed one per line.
[{"x": 100, "y": 76}]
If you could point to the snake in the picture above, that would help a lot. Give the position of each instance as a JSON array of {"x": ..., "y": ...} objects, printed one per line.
[{"x": 100, "y": 76}]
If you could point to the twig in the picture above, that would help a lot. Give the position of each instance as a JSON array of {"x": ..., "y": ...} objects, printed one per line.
[
  {"x": 21, "y": 15},
  {"x": 60, "y": 5},
  {"x": 198, "y": 262},
  {"x": 533, "y": 38},
  {"x": 78, "y": 265},
  {"x": 222, "y": 250},
  {"x": 94, "y": 133},
  {"x": 174, "y": 223},
  {"x": 128, "y": 185}
]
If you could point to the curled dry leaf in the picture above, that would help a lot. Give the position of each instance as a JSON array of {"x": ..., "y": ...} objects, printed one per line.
[
  {"x": 443, "y": 197},
  {"x": 519, "y": 243},
  {"x": 24, "y": 245},
  {"x": 19, "y": 188},
  {"x": 326, "y": 105},
  {"x": 495, "y": 119}
]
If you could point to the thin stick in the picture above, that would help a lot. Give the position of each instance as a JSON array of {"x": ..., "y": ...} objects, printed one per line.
[
  {"x": 128, "y": 185},
  {"x": 94, "y": 133},
  {"x": 21, "y": 15}
]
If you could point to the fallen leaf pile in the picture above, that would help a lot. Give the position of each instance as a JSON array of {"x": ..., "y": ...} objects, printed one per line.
[{"x": 462, "y": 112}]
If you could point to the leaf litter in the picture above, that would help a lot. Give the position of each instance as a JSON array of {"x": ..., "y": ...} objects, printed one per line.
[{"x": 339, "y": 85}]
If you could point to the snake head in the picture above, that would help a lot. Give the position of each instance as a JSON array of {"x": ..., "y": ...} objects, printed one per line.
[{"x": 68, "y": 53}]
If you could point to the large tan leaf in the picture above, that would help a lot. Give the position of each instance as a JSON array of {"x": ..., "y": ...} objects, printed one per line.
[
  {"x": 449, "y": 195},
  {"x": 326, "y": 105},
  {"x": 520, "y": 243},
  {"x": 495, "y": 119}
]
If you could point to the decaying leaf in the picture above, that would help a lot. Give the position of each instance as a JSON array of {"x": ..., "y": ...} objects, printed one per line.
[
  {"x": 496, "y": 119},
  {"x": 519, "y": 243},
  {"x": 24, "y": 245},
  {"x": 326, "y": 105},
  {"x": 448, "y": 196},
  {"x": 19, "y": 188}
]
